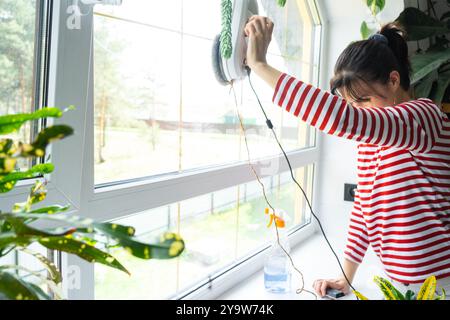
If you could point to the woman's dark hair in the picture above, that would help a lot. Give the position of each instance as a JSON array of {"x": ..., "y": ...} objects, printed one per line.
[{"x": 372, "y": 61}]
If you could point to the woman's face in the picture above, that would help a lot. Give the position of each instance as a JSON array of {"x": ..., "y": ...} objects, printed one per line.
[{"x": 377, "y": 95}]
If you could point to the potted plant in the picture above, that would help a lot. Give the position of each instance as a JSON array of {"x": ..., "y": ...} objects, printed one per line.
[
  {"x": 426, "y": 292},
  {"x": 431, "y": 65},
  {"x": 82, "y": 237}
]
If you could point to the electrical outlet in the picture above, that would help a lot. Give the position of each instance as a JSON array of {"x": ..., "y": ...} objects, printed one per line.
[{"x": 349, "y": 192}]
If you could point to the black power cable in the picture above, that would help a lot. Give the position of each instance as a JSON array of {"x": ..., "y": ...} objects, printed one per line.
[{"x": 270, "y": 126}]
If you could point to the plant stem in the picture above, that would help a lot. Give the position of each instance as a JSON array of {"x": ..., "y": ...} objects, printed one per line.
[{"x": 431, "y": 7}]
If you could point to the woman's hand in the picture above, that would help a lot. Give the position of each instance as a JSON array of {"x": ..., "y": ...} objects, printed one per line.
[
  {"x": 349, "y": 268},
  {"x": 321, "y": 286},
  {"x": 259, "y": 31}
]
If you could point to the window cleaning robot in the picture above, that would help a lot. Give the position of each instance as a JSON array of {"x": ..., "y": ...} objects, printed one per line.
[{"x": 233, "y": 68}]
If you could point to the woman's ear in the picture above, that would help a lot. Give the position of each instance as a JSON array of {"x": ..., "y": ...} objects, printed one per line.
[{"x": 394, "y": 80}]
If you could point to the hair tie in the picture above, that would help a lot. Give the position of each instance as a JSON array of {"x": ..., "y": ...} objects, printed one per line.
[{"x": 378, "y": 37}]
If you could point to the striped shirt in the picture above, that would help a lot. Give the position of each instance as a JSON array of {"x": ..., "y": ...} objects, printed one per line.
[{"x": 402, "y": 204}]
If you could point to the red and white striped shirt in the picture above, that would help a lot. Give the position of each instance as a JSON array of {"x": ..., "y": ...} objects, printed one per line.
[{"x": 402, "y": 204}]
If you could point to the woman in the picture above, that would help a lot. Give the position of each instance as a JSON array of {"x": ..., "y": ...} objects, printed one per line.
[{"x": 402, "y": 201}]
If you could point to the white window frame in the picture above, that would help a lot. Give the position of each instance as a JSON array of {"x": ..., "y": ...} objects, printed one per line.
[{"x": 71, "y": 83}]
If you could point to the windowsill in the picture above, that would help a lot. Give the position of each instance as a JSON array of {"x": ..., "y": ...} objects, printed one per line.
[{"x": 313, "y": 266}]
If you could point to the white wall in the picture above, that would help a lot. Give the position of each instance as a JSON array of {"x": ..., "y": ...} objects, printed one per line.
[{"x": 338, "y": 156}]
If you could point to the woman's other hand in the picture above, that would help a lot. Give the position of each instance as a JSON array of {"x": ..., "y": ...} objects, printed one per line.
[{"x": 321, "y": 286}]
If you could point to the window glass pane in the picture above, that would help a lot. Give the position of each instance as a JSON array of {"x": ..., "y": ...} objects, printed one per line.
[
  {"x": 18, "y": 68},
  {"x": 136, "y": 82},
  {"x": 210, "y": 133},
  {"x": 30, "y": 268},
  {"x": 156, "y": 14},
  {"x": 150, "y": 279},
  {"x": 28, "y": 261},
  {"x": 202, "y": 25},
  {"x": 8, "y": 259},
  {"x": 290, "y": 51},
  {"x": 158, "y": 106},
  {"x": 219, "y": 228}
]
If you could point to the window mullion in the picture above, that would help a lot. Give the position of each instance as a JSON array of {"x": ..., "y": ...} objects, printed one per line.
[
  {"x": 121, "y": 202},
  {"x": 70, "y": 83}
]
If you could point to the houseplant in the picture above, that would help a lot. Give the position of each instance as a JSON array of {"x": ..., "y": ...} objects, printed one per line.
[
  {"x": 427, "y": 291},
  {"x": 375, "y": 7},
  {"x": 82, "y": 237},
  {"x": 431, "y": 64}
]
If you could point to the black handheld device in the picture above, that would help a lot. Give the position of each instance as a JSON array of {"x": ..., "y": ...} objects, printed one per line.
[{"x": 334, "y": 293}]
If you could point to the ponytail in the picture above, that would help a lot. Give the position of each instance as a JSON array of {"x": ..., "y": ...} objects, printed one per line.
[
  {"x": 396, "y": 36},
  {"x": 373, "y": 60}
]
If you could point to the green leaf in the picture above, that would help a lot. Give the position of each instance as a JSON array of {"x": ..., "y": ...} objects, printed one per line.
[
  {"x": 21, "y": 228},
  {"x": 51, "y": 134},
  {"x": 445, "y": 15},
  {"x": 69, "y": 219},
  {"x": 8, "y": 181},
  {"x": 8, "y": 239},
  {"x": 425, "y": 63},
  {"x": 39, "y": 292},
  {"x": 389, "y": 291},
  {"x": 409, "y": 295},
  {"x": 7, "y": 165},
  {"x": 55, "y": 275},
  {"x": 366, "y": 32},
  {"x": 5, "y": 226},
  {"x": 14, "y": 288},
  {"x": 12, "y": 123},
  {"x": 440, "y": 297},
  {"x": 440, "y": 44},
  {"x": 359, "y": 295},
  {"x": 7, "y": 147},
  {"x": 44, "y": 138},
  {"x": 428, "y": 289},
  {"x": 51, "y": 209},
  {"x": 82, "y": 250},
  {"x": 38, "y": 193},
  {"x": 381, "y": 4},
  {"x": 115, "y": 229},
  {"x": 7, "y": 186},
  {"x": 443, "y": 83},
  {"x": 169, "y": 246},
  {"x": 50, "y": 284},
  {"x": 376, "y": 6},
  {"x": 424, "y": 86},
  {"x": 226, "y": 47},
  {"x": 419, "y": 25},
  {"x": 281, "y": 3}
]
